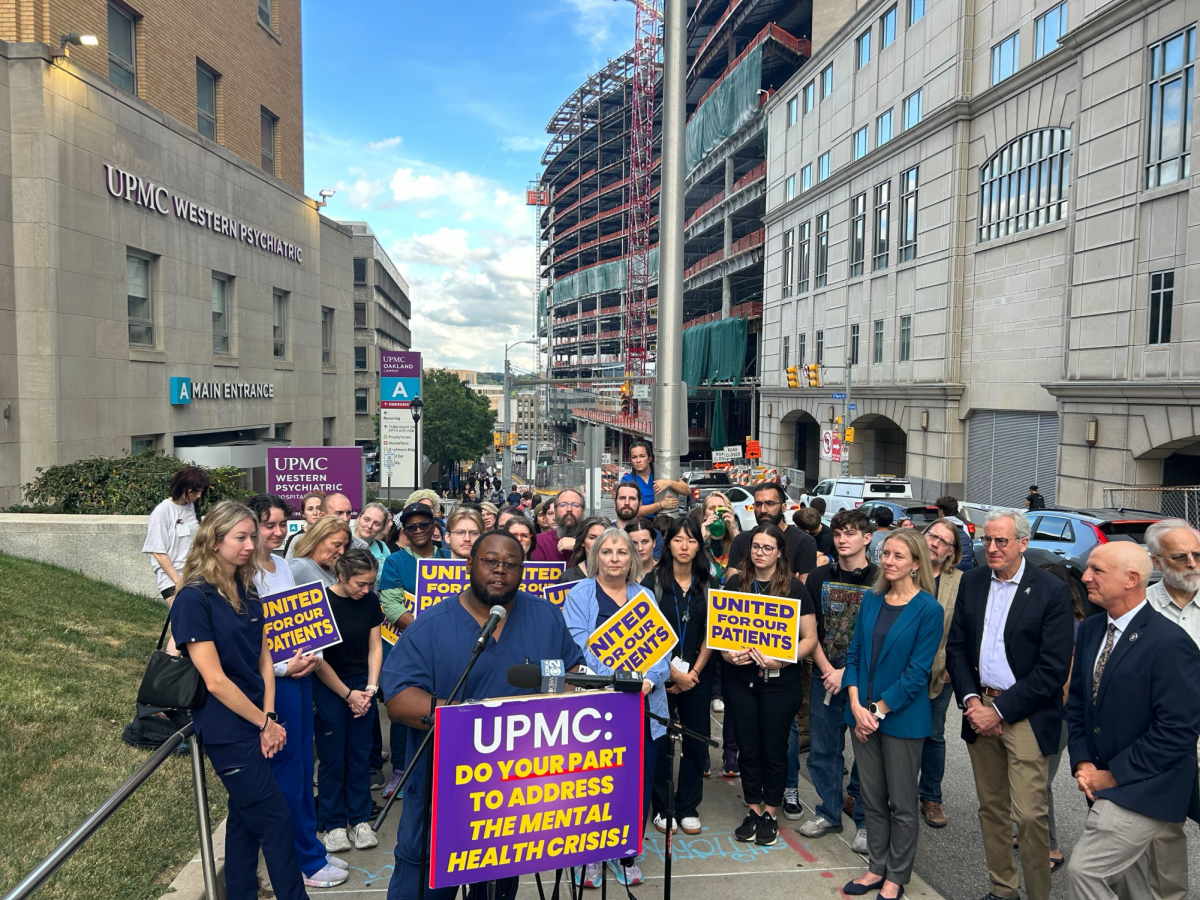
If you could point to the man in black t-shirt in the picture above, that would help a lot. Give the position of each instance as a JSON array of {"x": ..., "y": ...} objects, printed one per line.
[
  {"x": 809, "y": 520},
  {"x": 768, "y": 510},
  {"x": 1034, "y": 500}
]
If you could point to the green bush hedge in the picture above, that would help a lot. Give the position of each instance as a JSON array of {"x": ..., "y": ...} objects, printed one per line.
[{"x": 124, "y": 485}]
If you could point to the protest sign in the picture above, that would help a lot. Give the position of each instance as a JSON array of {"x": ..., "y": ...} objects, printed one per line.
[
  {"x": 741, "y": 621},
  {"x": 438, "y": 579},
  {"x": 299, "y": 618},
  {"x": 386, "y": 631},
  {"x": 529, "y": 784},
  {"x": 557, "y": 594},
  {"x": 635, "y": 638}
]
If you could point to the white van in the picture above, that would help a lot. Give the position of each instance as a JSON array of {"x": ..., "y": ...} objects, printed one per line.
[{"x": 851, "y": 493}]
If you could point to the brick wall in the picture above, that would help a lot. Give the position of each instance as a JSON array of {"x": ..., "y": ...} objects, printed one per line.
[{"x": 258, "y": 68}]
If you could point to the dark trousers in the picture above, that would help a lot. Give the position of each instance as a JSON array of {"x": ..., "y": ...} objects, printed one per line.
[
  {"x": 293, "y": 768},
  {"x": 692, "y": 709},
  {"x": 933, "y": 754},
  {"x": 762, "y": 713},
  {"x": 406, "y": 878},
  {"x": 343, "y": 757},
  {"x": 258, "y": 818},
  {"x": 376, "y": 757}
]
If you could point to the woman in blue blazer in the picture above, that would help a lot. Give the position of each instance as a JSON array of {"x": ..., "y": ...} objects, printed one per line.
[
  {"x": 616, "y": 567},
  {"x": 896, "y": 637}
]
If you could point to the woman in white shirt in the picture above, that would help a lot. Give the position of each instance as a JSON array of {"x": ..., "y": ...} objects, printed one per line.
[{"x": 172, "y": 525}]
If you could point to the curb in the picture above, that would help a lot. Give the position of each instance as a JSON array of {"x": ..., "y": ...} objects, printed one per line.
[{"x": 189, "y": 883}]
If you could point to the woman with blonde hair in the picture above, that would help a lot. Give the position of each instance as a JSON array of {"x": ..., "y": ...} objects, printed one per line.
[
  {"x": 896, "y": 637},
  {"x": 217, "y": 620},
  {"x": 718, "y": 538},
  {"x": 318, "y": 549}
]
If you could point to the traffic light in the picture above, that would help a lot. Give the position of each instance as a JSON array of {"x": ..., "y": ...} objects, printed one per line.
[
  {"x": 793, "y": 376},
  {"x": 625, "y": 399},
  {"x": 814, "y": 375},
  {"x": 850, "y": 434},
  {"x": 838, "y": 420}
]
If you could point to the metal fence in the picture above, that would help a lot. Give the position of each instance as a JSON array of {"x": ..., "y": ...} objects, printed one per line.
[
  {"x": 561, "y": 475},
  {"x": 1176, "y": 502}
]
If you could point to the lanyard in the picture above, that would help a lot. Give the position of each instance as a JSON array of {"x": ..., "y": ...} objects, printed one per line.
[{"x": 681, "y": 624}]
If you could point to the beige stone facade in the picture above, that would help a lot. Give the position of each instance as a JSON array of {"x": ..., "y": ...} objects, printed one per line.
[{"x": 1008, "y": 328}]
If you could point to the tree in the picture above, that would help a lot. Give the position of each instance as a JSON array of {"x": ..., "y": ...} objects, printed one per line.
[{"x": 458, "y": 421}]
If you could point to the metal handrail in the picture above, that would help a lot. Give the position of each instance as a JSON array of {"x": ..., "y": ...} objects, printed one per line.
[{"x": 48, "y": 866}]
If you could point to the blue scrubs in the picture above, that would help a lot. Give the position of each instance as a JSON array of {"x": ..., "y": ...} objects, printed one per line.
[
  {"x": 646, "y": 487},
  {"x": 293, "y": 768},
  {"x": 258, "y": 810},
  {"x": 431, "y": 655}
]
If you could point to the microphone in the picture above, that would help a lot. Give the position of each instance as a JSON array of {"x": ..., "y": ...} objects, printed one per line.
[
  {"x": 496, "y": 613},
  {"x": 530, "y": 677}
]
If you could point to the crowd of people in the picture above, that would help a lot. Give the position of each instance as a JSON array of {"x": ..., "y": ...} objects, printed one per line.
[{"x": 894, "y": 625}]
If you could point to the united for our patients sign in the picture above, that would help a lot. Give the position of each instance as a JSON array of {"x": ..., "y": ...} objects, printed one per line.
[
  {"x": 741, "y": 621},
  {"x": 442, "y": 579},
  {"x": 635, "y": 638},
  {"x": 299, "y": 618}
]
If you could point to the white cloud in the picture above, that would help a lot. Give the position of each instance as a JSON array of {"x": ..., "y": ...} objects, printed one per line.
[
  {"x": 386, "y": 143},
  {"x": 458, "y": 186},
  {"x": 524, "y": 143},
  {"x": 594, "y": 20},
  {"x": 361, "y": 193},
  {"x": 444, "y": 247}
]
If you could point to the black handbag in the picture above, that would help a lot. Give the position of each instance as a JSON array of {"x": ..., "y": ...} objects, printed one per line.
[{"x": 171, "y": 682}]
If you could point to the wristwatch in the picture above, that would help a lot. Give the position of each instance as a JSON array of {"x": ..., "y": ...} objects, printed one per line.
[
  {"x": 272, "y": 716},
  {"x": 876, "y": 712}
]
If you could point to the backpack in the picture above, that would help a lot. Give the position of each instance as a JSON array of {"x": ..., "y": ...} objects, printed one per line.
[
  {"x": 152, "y": 726},
  {"x": 1037, "y": 501}
]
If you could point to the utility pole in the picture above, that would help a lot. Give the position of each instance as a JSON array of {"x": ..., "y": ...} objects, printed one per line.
[
  {"x": 506, "y": 465},
  {"x": 670, "y": 395},
  {"x": 846, "y": 422}
]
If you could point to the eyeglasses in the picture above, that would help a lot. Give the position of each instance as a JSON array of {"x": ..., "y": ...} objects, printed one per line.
[
  {"x": 1183, "y": 559},
  {"x": 763, "y": 548},
  {"x": 502, "y": 564},
  {"x": 1000, "y": 543},
  {"x": 414, "y": 527},
  {"x": 934, "y": 539},
  {"x": 465, "y": 534},
  {"x": 565, "y": 505},
  {"x": 758, "y": 503}
]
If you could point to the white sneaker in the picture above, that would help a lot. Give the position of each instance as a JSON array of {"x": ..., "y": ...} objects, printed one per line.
[
  {"x": 363, "y": 837},
  {"x": 331, "y": 860},
  {"x": 691, "y": 825},
  {"x": 329, "y": 876},
  {"x": 336, "y": 840},
  {"x": 859, "y": 844},
  {"x": 660, "y": 822},
  {"x": 718, "y": 705}
]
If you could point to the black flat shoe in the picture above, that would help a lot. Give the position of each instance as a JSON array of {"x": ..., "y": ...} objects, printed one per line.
[
  {"x": 857, "y": 890},
  {"x": 1057, "y": 863}
]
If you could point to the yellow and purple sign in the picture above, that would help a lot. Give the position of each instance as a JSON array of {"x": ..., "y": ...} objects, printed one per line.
[
  {"x": 438, "y": 579},
  {"x": 635, "y": 638},
  {"x": 741, "y": 621},
  {"x": 299, "y": 618}
]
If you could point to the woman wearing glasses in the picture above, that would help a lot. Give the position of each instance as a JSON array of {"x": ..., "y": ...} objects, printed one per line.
[
  {"x": 522, "y": 529},
  {"x": 762, "y": 694}
]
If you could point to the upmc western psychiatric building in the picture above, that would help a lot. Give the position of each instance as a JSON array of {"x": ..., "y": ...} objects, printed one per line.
[{"x": 164, "y": 281}]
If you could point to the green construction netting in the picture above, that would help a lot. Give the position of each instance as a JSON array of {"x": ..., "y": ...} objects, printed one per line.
[
  {"x": 695, "y": 355},
  {"x": 609, "y": 276},
  {"x": 715, "y": 351},
  {"x": 719, "y": 438},
  {"x": 542, "y": 302},
  {"x": 727, "y": 109}
]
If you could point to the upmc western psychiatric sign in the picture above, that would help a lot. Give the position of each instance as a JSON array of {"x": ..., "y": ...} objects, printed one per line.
[
  {"x": 293, "y": 472},
  {"x": 156, "y": 198}
]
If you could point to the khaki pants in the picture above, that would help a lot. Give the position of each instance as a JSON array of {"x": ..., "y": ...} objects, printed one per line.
[
  {"x": 1115, "y": 858},
  {"x": 1010, "y": 781}
]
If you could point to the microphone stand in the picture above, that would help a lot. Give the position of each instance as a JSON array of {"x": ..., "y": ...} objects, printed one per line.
[{"x": 676, "y": 732}]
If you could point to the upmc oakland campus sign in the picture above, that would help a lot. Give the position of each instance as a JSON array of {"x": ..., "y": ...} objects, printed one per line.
[{"x": 156, "y": 198}]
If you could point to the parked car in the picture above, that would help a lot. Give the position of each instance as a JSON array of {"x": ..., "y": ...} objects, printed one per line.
[
  {"x": 1072, "y": 533},
  {"x": 920, "y": 516},
  {"x": 743, "y": 506},
  {"x": 851, "y": 493},
  {"x": 701, "y": 483}
]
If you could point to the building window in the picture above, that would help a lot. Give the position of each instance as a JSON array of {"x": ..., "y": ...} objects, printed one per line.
[
  {"x": 854, "y": 345},
  {"x": 801, "y": 340},
  {"x": 908, "y": 215},
  {"x": 122, "y": 49},
  {"x": 283, "y": 431},
  {"x": 206, "y": 102},
  {"x": 860, "y": 143},
  {"x": 858, "y": 233},
  {"x": 360, "y": 315},
  {"x": 789, "y": 188},
  {"x": 268, "y": 141},
  {"x": 905, "y": 338},
  {"x": 912, "y": 110},
  {"x": 793, "y": 111},
  {"x": 1169, "y": 129},
  {"x": 264, "y": 12},
  {"x": 822, "y": 274},
  {"x": 823, "y": 166},
  {"x": 360, "y": 401},
  {"x": 789, "y": 238},
  {"x": 137, "y": 292},
  {"x": 140, "y": 444},
  {"x": 279, "y": 322},
  {"x": 810, "y": 91},
  {"x": 887, "y": 28},
  {"x": 883, "y": 225},
  {"x": 862, "y": 49},
  {"x": 220, "y": 314},
  {"x": 360, "y": 357},
  {"x": 802, "y": 260},
  {"x": 326, "y": 336},
  {"x": 787, "y": 346},
  {"x": 1162, "y": 296},
  {"x": 916, "y": 11},
  {"x": 360, "y": 270},
  {"x": 1025, "y": 184},
  {"x": 806, "y": 178},
  {"x": 1050, "y": 28},
  {"x": 827, "y": 81},
  {"x": 327, "y": 427},
  {"x": 1006, "y": 57},
  {"x": 883, "y": 129},
  {"x": 820, "y": 348},
  {"x": 877, "y": 349}
]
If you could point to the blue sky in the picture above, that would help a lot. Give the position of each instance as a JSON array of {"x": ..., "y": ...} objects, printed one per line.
[{"x": 429, "y": 120}]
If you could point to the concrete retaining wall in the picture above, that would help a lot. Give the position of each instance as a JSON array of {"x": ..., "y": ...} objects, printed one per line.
[{"x": 106, "y": 548}]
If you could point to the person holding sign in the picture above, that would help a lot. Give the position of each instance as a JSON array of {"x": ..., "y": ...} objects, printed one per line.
[
  {"x": 591, "y": 603},
  {"x": 762, "y": 693},
  {"x": 680, "y": 585},
  {"x": 589, "y": 529},
  {"x": 896, "y": 637},
  {"x": 344, "y": 698},
  {"x": 217, "y": 621}
]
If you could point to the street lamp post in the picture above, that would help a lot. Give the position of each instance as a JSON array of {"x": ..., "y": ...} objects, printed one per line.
[{"x": 415, "y": 408}]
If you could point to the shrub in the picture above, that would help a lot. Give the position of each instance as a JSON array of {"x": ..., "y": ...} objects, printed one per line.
[{"x": 124, "y": 485}]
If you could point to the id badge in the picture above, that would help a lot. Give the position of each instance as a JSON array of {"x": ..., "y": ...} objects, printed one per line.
[{"x": 182, "y": 529}]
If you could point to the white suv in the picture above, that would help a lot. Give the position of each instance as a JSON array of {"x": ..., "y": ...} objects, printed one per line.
[{"x": 851, "y": 493}]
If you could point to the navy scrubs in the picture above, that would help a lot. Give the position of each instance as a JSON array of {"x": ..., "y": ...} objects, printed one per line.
[
  {"x": 431, "y": 655},
  {"x": 258, "y": 810}
]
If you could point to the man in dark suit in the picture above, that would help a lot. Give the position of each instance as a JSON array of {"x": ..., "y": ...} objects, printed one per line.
[
  {"x": 1133, "y": 717},
  {"x": 1008, "y": 654}
]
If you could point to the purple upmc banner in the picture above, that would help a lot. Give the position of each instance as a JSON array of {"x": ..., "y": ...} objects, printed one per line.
[
  {"x": 399, "y": 378},
  {"x": 293, "y": 472},
  {"x": 530, "y": 784}
]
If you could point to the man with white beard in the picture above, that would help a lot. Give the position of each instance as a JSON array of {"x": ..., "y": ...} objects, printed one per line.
[{"x": 1174, "y": 546}]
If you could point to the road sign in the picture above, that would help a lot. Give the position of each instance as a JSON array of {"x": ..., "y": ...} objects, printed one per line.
[
  {"x": 641, "y": 392},
  {"x": 851, "y": 406},
  {"x": 729, "y": 454},
  {"x": 831, "y": 446},
  {"x": 839, "y": 395},
  {"x": 753, "y": 450}
]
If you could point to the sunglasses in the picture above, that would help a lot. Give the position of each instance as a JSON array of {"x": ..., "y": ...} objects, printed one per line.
[{"x": 414, "y": 527}]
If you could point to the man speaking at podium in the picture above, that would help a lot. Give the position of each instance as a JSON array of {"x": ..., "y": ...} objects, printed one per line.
[{"x": 431, "y": 655}]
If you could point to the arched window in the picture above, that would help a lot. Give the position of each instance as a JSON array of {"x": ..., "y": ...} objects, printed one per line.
[{"x": 1025, "y": 185}]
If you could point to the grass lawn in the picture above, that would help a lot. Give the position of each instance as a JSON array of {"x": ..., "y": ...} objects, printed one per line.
[{"x": 71, "y": 658}]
